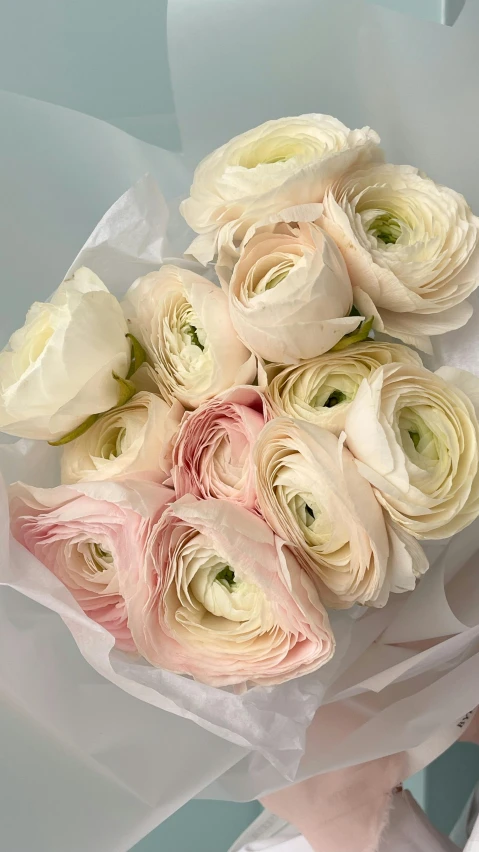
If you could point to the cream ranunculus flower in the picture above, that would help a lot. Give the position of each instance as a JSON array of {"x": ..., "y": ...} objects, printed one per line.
[
  {"x": 290, "y": 293},
  {"x": 281, "y": 163},
  {"x": 411, "y": 248},
  {"x": 58, "y": 369},
  {"x": 320, "y": 390},
  {"x": 416, "y": 438},
  {"x": 183, "y": 322},
  {"x": 312, "y": 495},
  {"x": 135, "y": 438},
  {"x": 221, "y": 598}
]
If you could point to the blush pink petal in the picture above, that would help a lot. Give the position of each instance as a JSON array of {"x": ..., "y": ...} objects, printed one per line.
[
  {"x": 291, "y": 638},
  {"x": 57, "y": 525},
  {"x": 212, "y": 456}
]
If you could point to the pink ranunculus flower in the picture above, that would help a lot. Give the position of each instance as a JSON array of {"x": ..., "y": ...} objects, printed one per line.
[
  {"x": 223, "y": 599},
  {"x": 213, "y": 453},
  {"x": 90, "y": 536}
]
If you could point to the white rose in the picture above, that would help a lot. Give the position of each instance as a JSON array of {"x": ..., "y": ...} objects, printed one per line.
[
  {"x": 320, "y": 390},
  {"x": 279, "y": 164},
  {"x": 132, "y": 439},
  {"x": 290, "y": 293},
  {"x": 183, "y": 322},
  {"x": 411, "y": 248},
  {"x": 58, "y": 369},
  {"x": 312, "y": 495},
  {"x": 415, "y": 438}
]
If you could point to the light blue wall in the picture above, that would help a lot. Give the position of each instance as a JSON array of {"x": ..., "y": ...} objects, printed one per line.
[
  {"x": 201, "y": 826},
  {"x": 449, "y": 782},
  {"x": 107, "y": 59}
]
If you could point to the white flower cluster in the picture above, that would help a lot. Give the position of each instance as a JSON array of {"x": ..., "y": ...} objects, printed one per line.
[{"x": 240, "y": 457}]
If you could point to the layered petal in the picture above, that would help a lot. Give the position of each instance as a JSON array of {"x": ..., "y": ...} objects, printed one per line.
[
  {"x": 92, "y": 537},
  {"x": 213, "y": 453},
  {"x": 290, "y": 294},
  {"x": 311, "y": 493},
  {"x": 411, "y": 246},
  {"x": 135, "y": 438},
  {"x": 222, "y": 599},
  {"x": 321, "y": 389},
  {"x": 282, "y": 163},
  {"x": 183, "y": 322},
  {"x": 415, "y": 437},
  {"x": 59, "y": 368}
]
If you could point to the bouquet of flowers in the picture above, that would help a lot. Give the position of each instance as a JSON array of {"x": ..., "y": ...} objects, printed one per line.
[{"x": 236, "y": 480}]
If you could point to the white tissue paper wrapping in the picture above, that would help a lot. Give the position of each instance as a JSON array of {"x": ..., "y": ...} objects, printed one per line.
[
  {"x": 85, "y": 730},
  {"x": 374, "y": 698}
]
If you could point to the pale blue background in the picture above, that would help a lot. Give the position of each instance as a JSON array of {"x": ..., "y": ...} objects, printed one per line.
[
  {"x": 201, "y": 827},
  {"x": 107, "y": 59}
]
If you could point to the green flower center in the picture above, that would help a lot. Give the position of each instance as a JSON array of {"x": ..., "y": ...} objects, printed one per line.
[
  {"x": 415, "y": 438},
  {"x": 100, "y": 557},
  {"x": 192, "y": 333},
  {"x": 385, "y": 227},
  {"x": 335, "y": 398},
  {"x": 268, "y": 152},
  {"x": 276, "y": 280},
  {"x": 418, "y": 439},
  {"x": 307, "y": 512},
  {"x": 112, "y": 448},
  {"x": 226, "y": 577}
]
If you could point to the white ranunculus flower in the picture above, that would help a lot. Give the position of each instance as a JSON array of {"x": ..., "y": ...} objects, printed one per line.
[
  {"x": 58, "y": 369},
  {"x": 320, "y": 390},
  {"x": 411, "y": 248},
  {"x": 290, "y": 293},
  {"x": 183, "y": 322},
  {"x": 416, "y": 438},
  {"x": 129, "y": 440},
  {"x": 312, "y": 495},
  {"x": 281, "y": 163}
]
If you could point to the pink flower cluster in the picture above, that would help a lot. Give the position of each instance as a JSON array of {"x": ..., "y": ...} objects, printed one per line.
[{"x": 192, "y": 578}]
